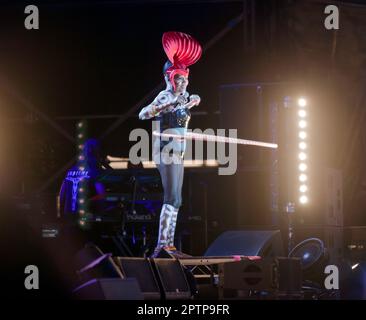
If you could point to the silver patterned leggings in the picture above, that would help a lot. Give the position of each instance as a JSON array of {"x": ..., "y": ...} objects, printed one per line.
[{"x": 172, "y": 180}]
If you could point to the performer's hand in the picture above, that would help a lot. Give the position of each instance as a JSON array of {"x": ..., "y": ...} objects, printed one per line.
[{"x": 195, "y": 99}]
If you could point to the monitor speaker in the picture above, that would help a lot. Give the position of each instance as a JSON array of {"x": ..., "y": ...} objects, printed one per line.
[
  {"x": 237, "y": 279},
  {"x": 277, "y": 275},
  {"x": 92, "y": 263},
  {"x": 142, "y": 270},
  {"x": 263, "y": 243},
  {"x": 173, "y": 279},
  {"x": 109, "y": 289}
]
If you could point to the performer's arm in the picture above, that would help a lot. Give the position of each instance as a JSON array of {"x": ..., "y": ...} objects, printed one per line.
[
  {"x": 194, "y": 100},
  {"x": 164, "y": 100}
]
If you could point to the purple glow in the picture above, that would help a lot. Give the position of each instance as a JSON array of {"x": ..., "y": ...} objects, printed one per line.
[{"x": 95, "y": 262}]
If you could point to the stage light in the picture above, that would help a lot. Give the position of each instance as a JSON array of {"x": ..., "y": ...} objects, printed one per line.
[
  {"x": 302, "y": 124},
  {"x": 80, "y": 124},
  {"x": 302, "y": 135},
  {"x": 302, "y": 145},
  {"x": 313, "y": 258},
  {"x": 81, "y": 201},
  {"x": 80, "y": 135},
  {"x": 81, "y": 190},
  {"x": 302, "y": 113},
  {"x": 82, "y": 223},
  {"x": 302, "y": 167},
  {"x": 355, "y": 266},
  {"x": 302, "y": 102},
  {"x": 303, "y": 177},
  {"x": 303, "y": 188},
  {"x": 302, "y": 156},
  {"x": 303, "y": 199},
  {"x": 81, "y": 168},
  {"x": 81, "y": 212},
  {"x": 306, "y": 255},
  {"x": 80, "y": 146}
]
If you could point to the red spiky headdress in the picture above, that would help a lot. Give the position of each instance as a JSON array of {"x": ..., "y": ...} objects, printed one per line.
[{"x": 182, "y": 51}]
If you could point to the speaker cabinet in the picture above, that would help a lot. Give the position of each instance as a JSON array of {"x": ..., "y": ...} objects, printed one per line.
[
  {"x": 173, "y": 279},
  {"x": 289, "y": 275},
  {"x": 109, "y": 289},
  {"x": 280, "y": 276},
  {"x": 264, "y": 243},
  {"x": 161, "y": 278},
  {"x": 142, "y": 270},
  {"x": 92, "y": 263},
  {"x": 240, "y": 277}
]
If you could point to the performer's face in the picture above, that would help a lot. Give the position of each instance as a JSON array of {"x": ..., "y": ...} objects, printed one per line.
[{"x": 181, "y": 83}]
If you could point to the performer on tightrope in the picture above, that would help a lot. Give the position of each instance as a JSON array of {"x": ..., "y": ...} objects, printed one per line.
[{"x": 171, "y": 109}]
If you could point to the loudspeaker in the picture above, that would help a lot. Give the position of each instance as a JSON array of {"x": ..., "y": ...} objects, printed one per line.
[
  {"x": 142, "y": 270},
  {"x": 247, "y": 243},
  {"x": 92, "y": 263},
  {"x": 289, "y": 275},
  {"x": 332, "y": 239},
  {"x": 313, "y": 257},
  {"x": 248, "y": 275},
  {"x": 109, "y": 289},
  {"x": 281, "y": 276},
  {"x": 173, "y": 279},
  {"x": 86, "y": 255},
  {"x": 311, "y": 252}
]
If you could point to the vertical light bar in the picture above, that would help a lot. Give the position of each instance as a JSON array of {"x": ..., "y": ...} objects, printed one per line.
[
  {"x": 81, "y": 131},
  {"x": 302, "y": 151}
]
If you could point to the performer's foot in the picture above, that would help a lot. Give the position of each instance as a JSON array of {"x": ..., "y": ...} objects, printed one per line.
[
  {"x": 168, "y": 252},
  {"x": 170, "y": 248},
  {"x": 176, "y": 253},
  {"x": 160, "y": 252}
]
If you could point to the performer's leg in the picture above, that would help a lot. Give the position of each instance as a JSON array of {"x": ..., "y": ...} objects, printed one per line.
[
  {"x": 166, "y": 214},
  {"x": 178, "y": 196},
  {"x": 171, "y": 176}
]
